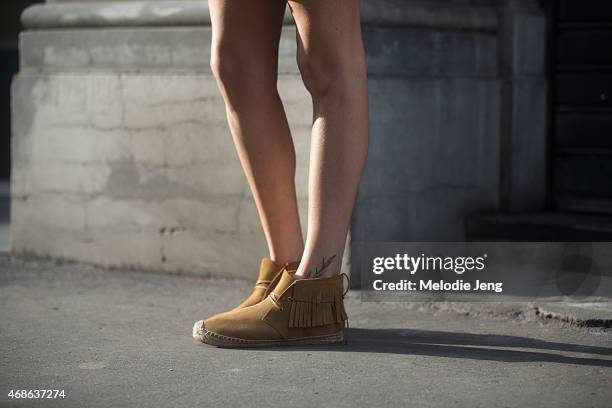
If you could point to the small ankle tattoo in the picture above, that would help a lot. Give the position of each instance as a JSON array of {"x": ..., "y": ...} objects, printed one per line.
[{"x": 318, "y": 272}]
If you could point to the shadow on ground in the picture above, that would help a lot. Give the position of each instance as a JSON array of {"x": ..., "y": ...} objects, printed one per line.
[{"x": 465, "y": 345}]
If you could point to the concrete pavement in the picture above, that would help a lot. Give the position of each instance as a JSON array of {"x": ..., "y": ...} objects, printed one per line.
[{"x": 113, "y": 338}]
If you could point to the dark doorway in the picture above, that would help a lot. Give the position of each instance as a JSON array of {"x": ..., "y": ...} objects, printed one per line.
[
  {"x": 582, "y": 106},
  {"x": 10, "y": 26}
]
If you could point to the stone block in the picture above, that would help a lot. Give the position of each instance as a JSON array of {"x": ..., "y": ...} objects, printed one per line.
[
  {"x": 152, "y": 181},
  {"x": 173, "y": 49}
]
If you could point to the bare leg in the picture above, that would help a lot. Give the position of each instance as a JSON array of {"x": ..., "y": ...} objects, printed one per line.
[
  {"x": 244, "y": 60},
  {"x": 332, "y": 62}
]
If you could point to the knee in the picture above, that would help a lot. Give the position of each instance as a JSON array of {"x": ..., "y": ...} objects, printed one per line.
[
  {"x": 331, "y": 71},
  {"x": 317, "y": 77},
  {"x": 240, "y": 75},
  {"x": 225, "y": 68}
]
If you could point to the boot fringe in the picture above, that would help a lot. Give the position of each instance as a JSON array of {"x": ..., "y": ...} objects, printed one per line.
[{"x": 310, "y": 308}]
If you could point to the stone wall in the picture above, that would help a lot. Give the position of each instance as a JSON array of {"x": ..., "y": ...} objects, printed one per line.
[
  {"x": 123, "y": 158},
  {"x": 458, "y": 117},
  {"x": 122, "y": 155}
]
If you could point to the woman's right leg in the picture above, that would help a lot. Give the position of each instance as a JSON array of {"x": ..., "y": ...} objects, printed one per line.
[{"x": 244, "y": 61}]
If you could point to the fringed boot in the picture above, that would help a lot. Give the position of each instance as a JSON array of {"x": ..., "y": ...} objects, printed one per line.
[{"x": 295, "y": 312}]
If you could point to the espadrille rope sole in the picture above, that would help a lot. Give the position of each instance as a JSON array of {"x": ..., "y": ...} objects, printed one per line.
[{"x": 219, "y": 340}]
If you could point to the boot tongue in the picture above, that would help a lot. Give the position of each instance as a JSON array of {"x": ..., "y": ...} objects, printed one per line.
[
  {"x": 268, "y": 270},
  {"x": 285, "y": 281}
]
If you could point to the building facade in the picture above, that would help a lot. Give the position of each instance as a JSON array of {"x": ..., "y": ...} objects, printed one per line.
[{"x": 121, "y": 154}]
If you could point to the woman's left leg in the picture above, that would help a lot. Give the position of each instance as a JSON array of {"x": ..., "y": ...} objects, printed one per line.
[{"x": 332, "y": 63}]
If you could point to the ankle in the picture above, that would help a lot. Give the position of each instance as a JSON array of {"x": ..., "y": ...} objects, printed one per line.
[
  {"x": 284, "y": 259},
  {"x": 298, "y": 276},
  {"x": 326, "y": 267}
]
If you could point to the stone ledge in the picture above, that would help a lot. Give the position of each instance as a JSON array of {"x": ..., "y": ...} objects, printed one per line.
[
  {"x": 417, "y": 14},
  {"x": 176, "y": 49},
  {"x": 428, "y": 15},
  {"x": 389, "y": 51},
  {"x": 114, "y": 14}
]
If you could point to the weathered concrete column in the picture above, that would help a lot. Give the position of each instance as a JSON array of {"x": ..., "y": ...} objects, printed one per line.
[
  {"x": 457, "y": 104},
  {"x": 524, "y": 123},
  {"x": 122, "y": 155},
  {"x": 458, "y": 100},
  {"x": 435, "y": 92}
]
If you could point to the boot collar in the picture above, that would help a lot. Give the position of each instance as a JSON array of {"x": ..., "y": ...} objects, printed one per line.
[{"x": 283, "y": 284}]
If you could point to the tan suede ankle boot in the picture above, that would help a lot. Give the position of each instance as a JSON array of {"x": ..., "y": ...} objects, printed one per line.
[
  {"x": 269, "y": 274},
  {"x": 296, "y": 312}
]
